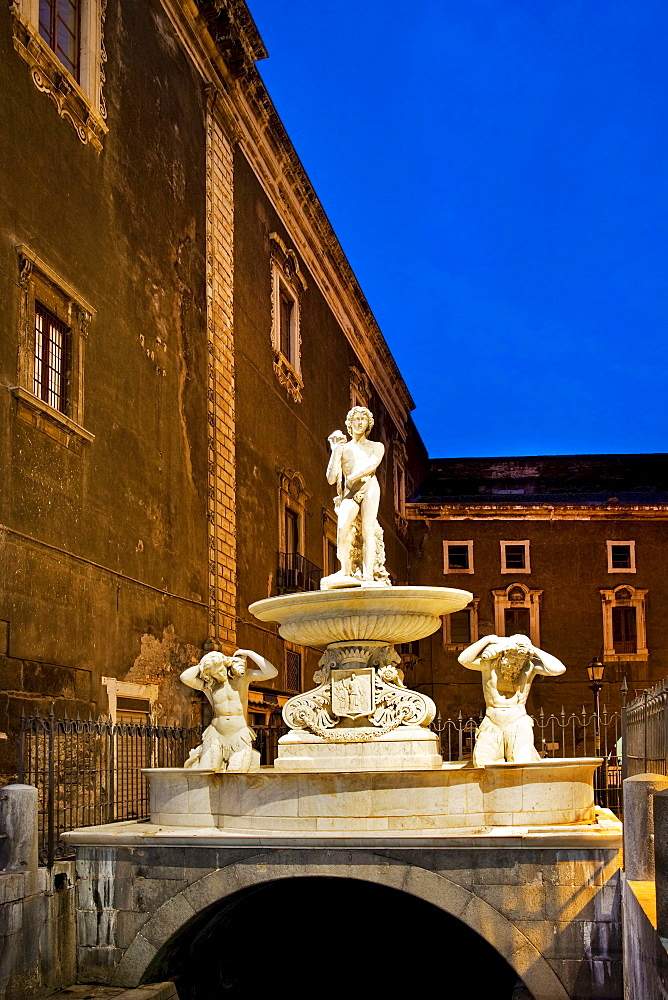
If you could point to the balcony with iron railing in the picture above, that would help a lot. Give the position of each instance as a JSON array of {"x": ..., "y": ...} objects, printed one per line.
[{"x": 296, "y": 573}]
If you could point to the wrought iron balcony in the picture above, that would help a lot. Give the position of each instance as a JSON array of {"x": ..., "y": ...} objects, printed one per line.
[{"x": 296, "y": 573}]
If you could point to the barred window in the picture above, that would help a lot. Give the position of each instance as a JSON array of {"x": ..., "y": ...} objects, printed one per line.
[
  {"x": 293, "y": 670},
  {"x": 59, "y": 26},
  {"x": 50, "y": 359}
]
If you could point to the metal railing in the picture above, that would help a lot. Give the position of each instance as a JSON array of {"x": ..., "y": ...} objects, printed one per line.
[
  {"x": 89, "y": 771},
  {"x": 561, "y": 735},
  {"x": 646, "y": 742},
  {"x": 296, "y": 573}
]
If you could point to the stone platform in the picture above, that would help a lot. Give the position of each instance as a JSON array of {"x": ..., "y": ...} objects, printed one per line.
[
  {"x": 405, "y": 747},
  {"x": 546, "y": 899},
  {"x": 453, "y": 797}
]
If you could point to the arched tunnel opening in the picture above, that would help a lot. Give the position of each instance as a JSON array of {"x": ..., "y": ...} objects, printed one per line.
[{"x": 319, "y": 936}]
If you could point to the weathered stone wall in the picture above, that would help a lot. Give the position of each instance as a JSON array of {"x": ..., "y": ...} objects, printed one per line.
[
  {"x": 553, "y": 913},
  {"x": 104, "y": 541},
  {"x": 645, "y": 956},
  {"x": 37, "y": 931}
]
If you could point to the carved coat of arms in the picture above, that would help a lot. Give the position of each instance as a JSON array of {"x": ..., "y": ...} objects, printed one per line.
[{"x": 353, "y": 692}]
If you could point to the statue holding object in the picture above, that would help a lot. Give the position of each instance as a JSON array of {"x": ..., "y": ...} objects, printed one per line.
[
  {"x": 227, "y": 743},
  {"x": 508, "y": 667},
  {"x": 359, "y": 538}
]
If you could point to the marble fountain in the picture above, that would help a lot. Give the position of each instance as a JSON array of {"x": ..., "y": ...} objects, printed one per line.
[{"x": 359, "y": 757}]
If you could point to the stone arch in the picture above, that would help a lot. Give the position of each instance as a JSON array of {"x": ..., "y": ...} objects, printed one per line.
[{"x": 173, "y": 917}]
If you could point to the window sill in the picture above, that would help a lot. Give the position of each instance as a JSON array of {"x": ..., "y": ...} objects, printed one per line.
[
  {"x": 513, "y": 572},
  {"x": 454, "y": 572},
  {"x": 51, "y": 421},
  {"x": 288, "y": 376},
  {"x": 627, "y": 570},
  {"x": 52, "y": 78},
  {"x": 641, "y": 655}
]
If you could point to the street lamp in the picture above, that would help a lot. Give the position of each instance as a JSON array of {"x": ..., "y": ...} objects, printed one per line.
[{"x": 595, "y": 671}]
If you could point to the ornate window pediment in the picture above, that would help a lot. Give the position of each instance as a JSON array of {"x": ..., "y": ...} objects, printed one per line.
[
  {"x": 75, "y": 84},
  {"x": 517, "y": 609},
  {"x": 624, "y": 624},
  {"x": 53, "y": 328},
  {"x": 287, "y": 286}
]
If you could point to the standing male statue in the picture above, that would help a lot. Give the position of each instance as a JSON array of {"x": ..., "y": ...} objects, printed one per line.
[
  {"x": 227, "y": 744},
  {"x": 508, "y": 666},
  {"x": 352, "y": 466}
]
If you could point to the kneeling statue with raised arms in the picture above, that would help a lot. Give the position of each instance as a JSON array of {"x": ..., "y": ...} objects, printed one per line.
[
  {"x": 227, "y": 744},
  {"x": 508, "y": 666}
]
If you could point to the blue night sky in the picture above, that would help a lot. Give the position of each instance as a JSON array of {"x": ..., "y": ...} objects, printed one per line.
[{"x": 497, "y": 174}]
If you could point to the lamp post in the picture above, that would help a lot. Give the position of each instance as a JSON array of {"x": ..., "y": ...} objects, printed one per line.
[{"x": 595, "y": 671}]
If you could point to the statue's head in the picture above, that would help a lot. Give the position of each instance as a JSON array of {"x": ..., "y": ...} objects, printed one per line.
[
  {"x": 218, "y": 666},
  {"x": 354, "y": 418},
  {"x": 517, "y": 650}
]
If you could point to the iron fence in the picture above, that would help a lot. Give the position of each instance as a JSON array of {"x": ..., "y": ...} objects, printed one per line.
[
  {"x": 577, "y": 734},
  {"x": 646, "y": 742},
  {"x": 89, "y": 772}
]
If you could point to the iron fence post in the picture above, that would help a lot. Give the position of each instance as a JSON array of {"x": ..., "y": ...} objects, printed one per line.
[
  {"x": 21, "y": 769},
  {"x": 645, "y": 727},
  {"x": 625, "y": 757},
  {"x": 51, "y": 838}
]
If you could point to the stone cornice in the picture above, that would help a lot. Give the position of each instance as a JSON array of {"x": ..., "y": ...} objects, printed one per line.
[
  {"x": 249, "y": 115},
  {"x": 532, "y": 512}
]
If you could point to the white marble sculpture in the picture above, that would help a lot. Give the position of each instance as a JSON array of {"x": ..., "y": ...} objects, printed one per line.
[
  {"x": 508, "y": 666},
  {"x": 227, "y": 744},
  {"x": 359, "y": 540}
]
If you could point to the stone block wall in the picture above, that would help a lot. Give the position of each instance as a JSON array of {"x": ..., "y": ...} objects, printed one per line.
[
  {"x": 553, "y": 913},
  {"x": 37, "y": 932}
]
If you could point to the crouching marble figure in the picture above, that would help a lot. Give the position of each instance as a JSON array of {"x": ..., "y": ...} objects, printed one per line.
[
  {"x": 360, "y": 548},
  {"x": 227, "y": 744},
  {"x": 508, "y": 666}
]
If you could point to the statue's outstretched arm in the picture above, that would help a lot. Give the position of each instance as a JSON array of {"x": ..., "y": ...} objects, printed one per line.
[
  {"x": 265, "y": 670},
  {"x": 545, "y": 663},
  {"x": 469, "y": 658},
  {"x": 191, "y": 676}
]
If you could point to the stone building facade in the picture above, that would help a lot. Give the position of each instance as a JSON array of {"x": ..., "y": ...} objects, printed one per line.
[
  {"x": 180, "y": 332},
  {"x": 569, "y": 549}
]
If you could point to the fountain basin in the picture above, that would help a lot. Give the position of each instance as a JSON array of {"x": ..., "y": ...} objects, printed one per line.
[
  {"x": 454, "y": 796},
  {"x": 361, "y": 614}
]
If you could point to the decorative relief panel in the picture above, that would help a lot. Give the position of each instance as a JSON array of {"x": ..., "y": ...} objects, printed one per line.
[{"x": 358, "y": 682}]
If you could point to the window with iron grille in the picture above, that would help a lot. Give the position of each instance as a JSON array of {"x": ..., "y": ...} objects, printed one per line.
[
  {"x": 293, "y": 670},
  {"x": 51, "y": 358},
  {"x": 59, "y": 26}
]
